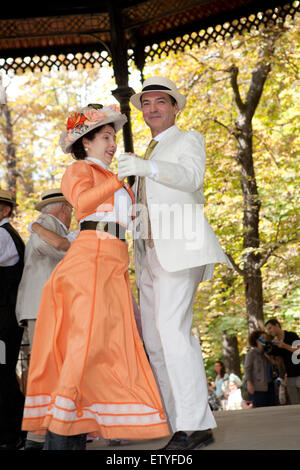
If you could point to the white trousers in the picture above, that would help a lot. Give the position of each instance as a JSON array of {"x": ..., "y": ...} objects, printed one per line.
[{"x": 166, "y": 302}]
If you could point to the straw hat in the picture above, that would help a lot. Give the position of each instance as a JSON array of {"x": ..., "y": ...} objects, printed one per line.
[
  {"x": 159, "y": 84},
  {"x": 49, "y": 197},
  {"x": 88, "y": 118},
  {"x": 6, "y": 196}
]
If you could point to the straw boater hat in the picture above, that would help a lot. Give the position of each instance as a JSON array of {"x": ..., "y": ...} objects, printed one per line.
[
  {"x": 49, "y": 197},
  {"x": 6, "y": 196},
  {"x": 159, "y": 84},
  {"x": 88, "y": 118}
]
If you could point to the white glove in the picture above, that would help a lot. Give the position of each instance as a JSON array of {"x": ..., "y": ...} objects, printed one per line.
[{"x": 131, "y": 165}]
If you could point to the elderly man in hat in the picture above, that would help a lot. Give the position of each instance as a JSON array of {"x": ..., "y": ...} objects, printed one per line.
[
  {"x": 47, "y": 245},
  {"x": 175, "y": 250},
  {"x": 11, "y": 267}
]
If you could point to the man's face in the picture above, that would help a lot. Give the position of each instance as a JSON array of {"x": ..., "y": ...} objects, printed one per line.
[
  {"x": 5, "y": 211},
  {"x": 158, "y": 111},
  {"x": 272, "y": 329}
]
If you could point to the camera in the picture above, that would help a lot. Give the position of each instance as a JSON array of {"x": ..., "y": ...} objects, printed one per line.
[{"x": 269, "y": 347}]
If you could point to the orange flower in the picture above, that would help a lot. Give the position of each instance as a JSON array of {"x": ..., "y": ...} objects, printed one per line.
[
  {"x": 75, "y": 120},
  {"x": 93, "y": 116}
]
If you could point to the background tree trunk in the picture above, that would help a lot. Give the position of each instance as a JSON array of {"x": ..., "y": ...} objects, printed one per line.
[
  {"x": 9, "y": 146},
  {"x": 231, "y": 354},
  {"x": 243, "y": 133}
]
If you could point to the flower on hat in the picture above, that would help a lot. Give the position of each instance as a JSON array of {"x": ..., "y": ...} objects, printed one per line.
[
  {"x": 75, "y": 120},
  {"x": 114, "y": 107},
  {"x": 93, "y": 116},
  {"x": 88, "y": 118}
]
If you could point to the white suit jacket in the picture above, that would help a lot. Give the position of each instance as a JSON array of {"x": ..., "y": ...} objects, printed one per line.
[
  {"x": 181, "y": 233},
  {"x": 39, "y": 262}
]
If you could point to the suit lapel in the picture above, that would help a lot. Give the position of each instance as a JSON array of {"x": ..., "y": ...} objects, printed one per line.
[{"x": 165, "y": 141}]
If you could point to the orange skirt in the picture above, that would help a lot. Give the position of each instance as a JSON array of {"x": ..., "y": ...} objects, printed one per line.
[{"x": 88, "y": 370}]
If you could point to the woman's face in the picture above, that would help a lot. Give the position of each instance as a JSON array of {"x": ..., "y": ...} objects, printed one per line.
[
  {"x": 103, "y": 146},
  {"x": 218, "y": 367}
]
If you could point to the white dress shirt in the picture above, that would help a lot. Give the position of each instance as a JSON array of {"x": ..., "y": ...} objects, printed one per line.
[
  {"x": 122, "y": 210},
  {"x": 8, "y": 251}
]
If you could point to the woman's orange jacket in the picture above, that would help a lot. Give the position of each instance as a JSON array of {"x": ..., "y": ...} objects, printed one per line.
[{"x": 90, "y": 188}]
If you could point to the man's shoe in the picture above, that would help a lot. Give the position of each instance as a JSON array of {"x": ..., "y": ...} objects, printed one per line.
[
  {"x": 14, "y": 445},
  {"x": 198, "y": 439},
  {"x": 178, "y": 441},
  {"x": 33, "y": 445}
]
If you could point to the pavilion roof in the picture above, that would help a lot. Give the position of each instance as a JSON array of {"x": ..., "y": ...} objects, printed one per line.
[{"x": 79, "y": 33}]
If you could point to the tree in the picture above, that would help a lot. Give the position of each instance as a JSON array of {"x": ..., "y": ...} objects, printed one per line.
[
  {"x": 6, "y": 126},
  {"x": 243, "y": 132},
  {"x": 241, "y": 96}
]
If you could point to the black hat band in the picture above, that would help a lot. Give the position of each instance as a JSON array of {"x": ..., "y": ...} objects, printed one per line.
[
  {"x": 155, "y": 87},
  {"x": 52, "y": 195}
]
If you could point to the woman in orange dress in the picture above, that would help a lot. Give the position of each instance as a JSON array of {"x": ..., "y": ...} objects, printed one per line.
[{"x": 88, "y": 370}]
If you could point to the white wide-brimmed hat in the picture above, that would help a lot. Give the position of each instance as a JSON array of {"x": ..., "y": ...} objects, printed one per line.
[
  {"x": 50, "y": 196},
  {"x": 6, "y": 196},
  {"x": 88, "y": 118},
  {"x": 234, "y": 378},
  {"x": 159, "y": 84}
]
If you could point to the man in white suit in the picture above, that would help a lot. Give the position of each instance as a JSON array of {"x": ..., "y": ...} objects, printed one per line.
[{"x": 175, "y": 250}]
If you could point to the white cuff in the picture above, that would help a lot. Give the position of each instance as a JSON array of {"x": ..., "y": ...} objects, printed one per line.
[
  {"x": 154, "y": 169},
  {"x": 33, "y": 222}
]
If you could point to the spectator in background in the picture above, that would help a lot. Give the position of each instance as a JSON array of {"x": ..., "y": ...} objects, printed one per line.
[
  {"x": 221, "y": 380},
  {"x": 11, "y": 268},
  {"x": 213, "y": 400},
  {"x": 259, "y": 372},
  {"x": 235, "y": 400},
  {"x": 287, "y": 345}
]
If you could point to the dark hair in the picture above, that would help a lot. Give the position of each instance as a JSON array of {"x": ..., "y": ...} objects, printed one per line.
[
  {"x": 253, "y": 337},
  {"x": 273, "y": 322},
  {"x": 78, "y": 150},
  {"x": 223, "y": 370},
  {"x": 173, "y": 101}
]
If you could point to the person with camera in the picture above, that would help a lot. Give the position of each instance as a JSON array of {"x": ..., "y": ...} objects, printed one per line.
[
  {"x": 259, "y": 371},
  {"x": 286, "y": 347}
]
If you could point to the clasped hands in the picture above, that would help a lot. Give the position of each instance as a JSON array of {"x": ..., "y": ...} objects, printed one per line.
[{"x": 129, "y": 164}]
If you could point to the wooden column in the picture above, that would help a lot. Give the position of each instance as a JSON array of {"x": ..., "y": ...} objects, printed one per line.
[{"x": 120, "y": 65}]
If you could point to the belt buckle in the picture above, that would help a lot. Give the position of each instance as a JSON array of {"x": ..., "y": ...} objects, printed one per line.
[{"x": 102, "y": 226}]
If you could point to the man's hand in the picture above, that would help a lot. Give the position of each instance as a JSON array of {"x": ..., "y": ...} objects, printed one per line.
[{"x": 131, "y": 165}]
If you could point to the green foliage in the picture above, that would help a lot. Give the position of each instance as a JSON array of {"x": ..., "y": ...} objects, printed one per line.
[
  {"x": 202, "y": 74},
  {"x": 40, "y": 102}
]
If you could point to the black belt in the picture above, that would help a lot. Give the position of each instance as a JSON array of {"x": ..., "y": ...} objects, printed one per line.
[{"x": 111, "y": 227}]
